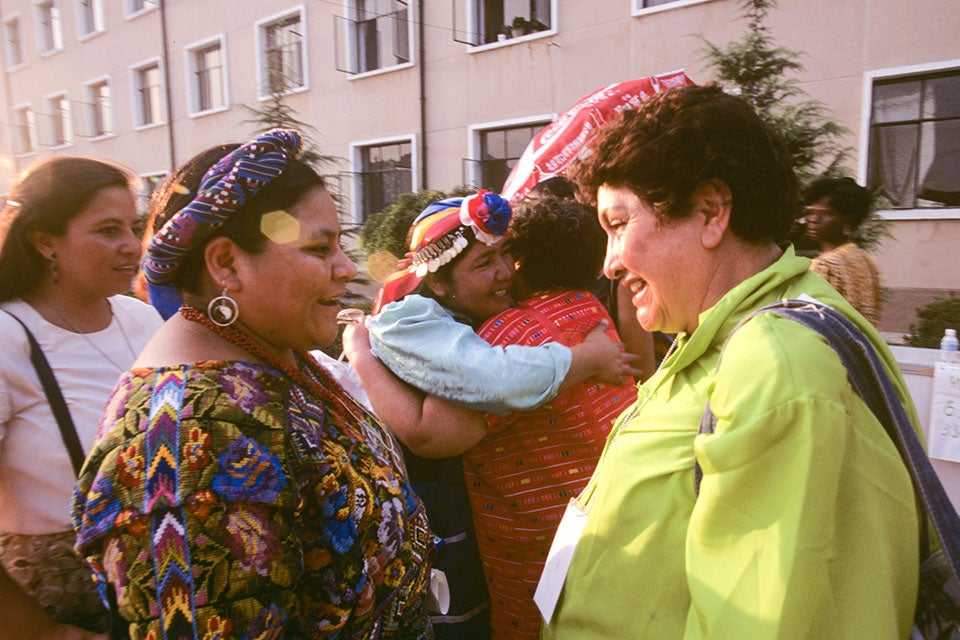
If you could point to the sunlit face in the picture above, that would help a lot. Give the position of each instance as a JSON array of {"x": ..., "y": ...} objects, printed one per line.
[
  {"x": 823, "y": 223},
  {"x": 99, "y": 253},
  {"x": 662, "y": 262},
  {"x": 478, "y": 284},
  {"x": 290, "y": 294}
]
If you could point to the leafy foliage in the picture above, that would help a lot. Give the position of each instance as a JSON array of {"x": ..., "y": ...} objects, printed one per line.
[
  {"x": 757, "y": 69},
  {"x": 761, "y": 72},
  {"x": 386, "y": 231},
  {"x": 932, "y": 320}
]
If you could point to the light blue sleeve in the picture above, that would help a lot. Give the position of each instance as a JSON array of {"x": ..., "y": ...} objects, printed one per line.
[{"x": 426, "y": 347}]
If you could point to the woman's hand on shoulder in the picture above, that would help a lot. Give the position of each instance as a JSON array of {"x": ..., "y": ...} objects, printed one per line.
[{"x": 601, "y": 357}]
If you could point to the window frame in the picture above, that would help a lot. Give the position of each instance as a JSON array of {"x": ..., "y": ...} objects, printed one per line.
[
  {"x": 473, "y": 9},
  {"x": 261, "y": 39},
  {"x": 99, "y": 19},
  {"x": 31, "y": 127},
  {"x": 350, "y": 47},
  {"x": 637, "y": 8},
  {"x": 95, "y": 106},
  {"x": 357, "y": 150},
  {"x": 143, "y": 193},
  {"x": 13, "y": 18},
  {"x": 907, "y": 73},
  {"x": 191, "y": 54},
  {"x": 136, "y": 88},
  {"x": 130, "y": 11},
  {"x": 55, "y": 27},
  {"x": 61, "y": 121},
  {"x": 476, "y": 131}
]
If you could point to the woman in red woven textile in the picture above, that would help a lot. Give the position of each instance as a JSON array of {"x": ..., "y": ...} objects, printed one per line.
[{"x": 521, "y": 468}]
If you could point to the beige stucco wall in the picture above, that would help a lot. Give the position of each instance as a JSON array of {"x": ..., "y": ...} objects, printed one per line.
[{"x": 595, "y": 43}]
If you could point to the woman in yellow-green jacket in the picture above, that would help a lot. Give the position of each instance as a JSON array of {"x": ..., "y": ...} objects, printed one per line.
[{"x": 805, "y": 525}]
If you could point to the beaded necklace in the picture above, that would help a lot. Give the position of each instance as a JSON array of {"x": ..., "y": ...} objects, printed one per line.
[{"x": 319, "y": 382}]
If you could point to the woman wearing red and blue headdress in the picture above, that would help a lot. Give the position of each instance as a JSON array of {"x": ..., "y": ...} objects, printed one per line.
[{"x": 434, "y": 381}]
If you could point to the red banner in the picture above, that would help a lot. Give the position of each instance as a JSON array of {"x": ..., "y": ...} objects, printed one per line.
[{"x": 553, "y": 148}]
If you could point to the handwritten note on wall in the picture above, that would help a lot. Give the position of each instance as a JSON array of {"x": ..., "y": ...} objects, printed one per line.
[{"x": 944, "y": 440}]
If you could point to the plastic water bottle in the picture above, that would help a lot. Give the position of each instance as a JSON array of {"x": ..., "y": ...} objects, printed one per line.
[{"x": 950, "y": 346}]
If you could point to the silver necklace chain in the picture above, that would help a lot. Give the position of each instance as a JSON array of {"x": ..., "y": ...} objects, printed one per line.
[{"x": 90, "y": 341}]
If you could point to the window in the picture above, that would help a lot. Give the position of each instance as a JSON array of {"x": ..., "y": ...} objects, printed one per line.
[
  {"x": 12, "y": 43},
  {"x": 61, "y": 126},
  {"x": 100, "y": 108},
  {"x": 147, "y": 94},
  {"x": 89, "y": 18},
  {"x": 49, "y": 32},
  {"x": 133, "y": 8},
  {"x": 384, "y": 171},
  {"x": 648, "y": 6},
  {"x": 206, "y": 76},
  {"x": 377, "y": 35},
  {"x": 486, "y": 21},
  {"x": 25, "y": 130},
  {"x": 497, "y": 149},
  {"x": 149, "y": 182},
  {"x": 282, "y": 64},
  {"x": 914, "y": 146}
]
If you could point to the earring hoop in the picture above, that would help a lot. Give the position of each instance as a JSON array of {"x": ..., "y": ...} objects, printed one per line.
[{"x": 223, "y": 310}]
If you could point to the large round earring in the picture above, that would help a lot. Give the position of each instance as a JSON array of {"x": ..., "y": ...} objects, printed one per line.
[{"x": 223, "y": 310}]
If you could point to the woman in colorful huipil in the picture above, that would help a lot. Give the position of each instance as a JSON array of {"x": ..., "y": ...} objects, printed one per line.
[
  {"x": 236, "y": 490},
  {"x": 520, "y": 469}
]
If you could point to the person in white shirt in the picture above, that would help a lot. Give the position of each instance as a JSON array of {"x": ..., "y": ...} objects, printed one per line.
[{"x": 69, "y": 251}]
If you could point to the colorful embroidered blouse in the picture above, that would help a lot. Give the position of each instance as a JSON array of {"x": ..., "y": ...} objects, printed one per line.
[{"x": 221, "y": 501}]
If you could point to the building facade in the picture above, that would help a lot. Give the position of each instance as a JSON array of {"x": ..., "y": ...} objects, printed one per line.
[{"x": 410, "y": 94}]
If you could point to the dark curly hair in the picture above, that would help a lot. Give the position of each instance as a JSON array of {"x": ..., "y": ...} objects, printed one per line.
[
  {"x": 844, "y": 195},
  {"x": 679, "y": 139},
  {"x": 557, "y": 242}
]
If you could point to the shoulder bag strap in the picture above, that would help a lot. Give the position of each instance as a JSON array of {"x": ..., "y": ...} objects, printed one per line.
[
  {"x": 872, "y": 383},
  {"x": 57, "y": 404}
]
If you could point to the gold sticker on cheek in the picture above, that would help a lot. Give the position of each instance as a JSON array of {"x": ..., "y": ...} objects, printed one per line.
[{"x": 280, "y": 227}]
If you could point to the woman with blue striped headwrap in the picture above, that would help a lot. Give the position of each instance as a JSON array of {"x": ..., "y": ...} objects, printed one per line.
[{"x": 236, "y": 489}]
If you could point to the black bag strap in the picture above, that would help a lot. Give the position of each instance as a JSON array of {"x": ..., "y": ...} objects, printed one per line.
[
  {"x": 57, "y": 404},
  {"x": 872, "y": 383}
]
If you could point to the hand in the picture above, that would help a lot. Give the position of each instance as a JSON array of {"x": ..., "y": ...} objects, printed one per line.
[
  {"x": 610, "y": 361},
  {"x": 356, "y": 341}
]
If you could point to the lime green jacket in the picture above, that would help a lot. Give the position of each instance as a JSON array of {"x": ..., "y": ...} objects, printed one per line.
[{"x": 806, "y": 525}]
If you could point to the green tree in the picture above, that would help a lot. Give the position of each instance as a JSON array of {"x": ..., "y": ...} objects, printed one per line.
[
  {"x": 759, "y": 70},
  {"x": 274, "y": 112},
  {"x": 764, "y": 74},
  {"x": 385, "y": 232}
]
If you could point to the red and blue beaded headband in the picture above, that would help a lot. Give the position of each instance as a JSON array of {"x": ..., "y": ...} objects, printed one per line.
[{"x": 438, "y": 237}]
